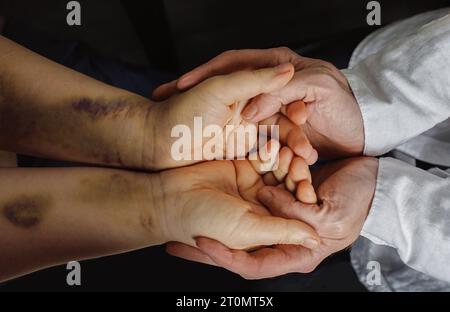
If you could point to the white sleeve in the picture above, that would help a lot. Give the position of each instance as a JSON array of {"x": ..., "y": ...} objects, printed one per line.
[
  {"x": 404, "y": 89},
  {"x": 411, "y": 213}
]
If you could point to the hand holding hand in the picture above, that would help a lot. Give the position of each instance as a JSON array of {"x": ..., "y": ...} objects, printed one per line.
[
  {"x": 218, "y": 101},
  {"x": 218, "y": 200},
  {"x": 344, "y": 189},
  {"x": 319, "y": 92}
]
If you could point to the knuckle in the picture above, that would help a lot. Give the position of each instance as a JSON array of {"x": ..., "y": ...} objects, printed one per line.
[
  {"x": 284, "y": 54},
  {"x": 284, "y": 50},
  {"x": 227, "y": 53},
  {"x": 325, "y": 78}
]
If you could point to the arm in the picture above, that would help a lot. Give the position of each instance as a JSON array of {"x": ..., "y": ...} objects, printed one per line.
[
  {"x": 49, "y": 110},
  {"x": 52, "y": 216},
  {"x": 403, "y": 89},
  {"x": 411, "y": 212}
]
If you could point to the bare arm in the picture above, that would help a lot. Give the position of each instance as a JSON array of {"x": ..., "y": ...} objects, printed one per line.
[
  {"x": 49, "y": 110},
  {"x": 52, "y": 216}
]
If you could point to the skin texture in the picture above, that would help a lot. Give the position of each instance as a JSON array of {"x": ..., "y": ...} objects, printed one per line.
[
  {"x": 337, "y": 220},
  {"x": 318, "y": 92}
]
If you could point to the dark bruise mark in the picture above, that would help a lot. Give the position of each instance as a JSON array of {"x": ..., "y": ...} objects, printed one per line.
[
  {"x": 69, "y": 129},
  {"x": 26, "y": 211},
  {"x": 98, "y": 109}
]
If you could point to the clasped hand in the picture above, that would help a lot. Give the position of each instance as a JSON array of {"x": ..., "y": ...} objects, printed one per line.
[{"x": 318, "y": 115}]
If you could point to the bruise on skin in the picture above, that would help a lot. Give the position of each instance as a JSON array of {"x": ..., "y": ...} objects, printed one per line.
[
  {"x": 98, "y": 109},
  {"x": 27, "y": 211},
  {"x": 68, "y": 129}
]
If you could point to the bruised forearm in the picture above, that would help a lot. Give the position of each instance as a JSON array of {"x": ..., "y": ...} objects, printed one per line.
[
  {"x": 52, "y": 216},
  {"x": 49, "y": 110}
]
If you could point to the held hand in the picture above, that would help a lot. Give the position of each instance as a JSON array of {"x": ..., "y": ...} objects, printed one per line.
[
  {"x": 217, "y": 101},
  {"x": 218, "y": 200},
  {"x": 345, "y": 190},
  {"x": 318, "y": 92}
]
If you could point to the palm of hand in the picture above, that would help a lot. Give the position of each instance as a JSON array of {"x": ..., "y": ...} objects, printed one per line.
[
  {"x": 196, "y": 116},
  {"x": 218, "y": 200}
]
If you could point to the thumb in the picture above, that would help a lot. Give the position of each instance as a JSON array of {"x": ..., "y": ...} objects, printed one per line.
[
  {"x": 244, "y": 85},
  {"x": 165, "y": 91},
  {"x": 283, "y": 204},
  {"x": 258, "y": 230}
]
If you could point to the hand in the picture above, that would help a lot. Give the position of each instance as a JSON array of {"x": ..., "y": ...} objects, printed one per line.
[
  {"x": 318, "y": 92},
  {"x": 345, "y": 190},
  {"x": 218, "y": 101},
  {"x": 218, "y": 199}
]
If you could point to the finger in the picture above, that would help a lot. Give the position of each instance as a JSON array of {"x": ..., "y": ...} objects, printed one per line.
[
  {"x": 293, "y": 136},
  {"x": 312, "y": 159},
  {"x": 298, "y": 171},
  {"x": 266, "y": 158},
  {"x": 270, "y": 179},
  {"x": 231, "y": 61},
  {"x": 244, "y": 85},
  {"x": 299, "y": 143},
  {"x": 296, "y": 112},
  {"x": 248, "y": 180},
  {"x": 261, "y": 107},
  {"x": 189, "y": 253},
  {"x": 281, "y": 203},
  {"x": 263, "y": 263},
  {"x": 258, "y": 230},
  {"x": 286, "y": 155},
  {"x": 306, "y": 193},
  {"x": 165, "y": 91},
  {"x": 299, "y": 89}
]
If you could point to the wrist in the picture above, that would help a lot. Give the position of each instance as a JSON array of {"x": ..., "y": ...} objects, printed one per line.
[
  {"x": 152, "y": 150},
  {"x": 152, "y": 208}
]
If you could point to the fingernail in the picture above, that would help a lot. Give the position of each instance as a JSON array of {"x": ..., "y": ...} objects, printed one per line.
[
  {"x": 283, "y": 68},
  {"x": 310, "y": 243},
  {"x": 249, "y": 112}
]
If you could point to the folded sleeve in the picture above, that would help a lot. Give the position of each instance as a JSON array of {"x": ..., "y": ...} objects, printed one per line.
[
  {"x": 411, "y": 213},
  {"x": 404, "y": 88}
]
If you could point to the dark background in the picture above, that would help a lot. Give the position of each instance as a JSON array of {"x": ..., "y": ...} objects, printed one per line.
[{"x": 175, "y": 36}]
